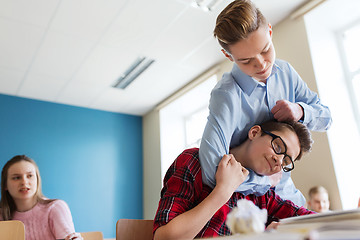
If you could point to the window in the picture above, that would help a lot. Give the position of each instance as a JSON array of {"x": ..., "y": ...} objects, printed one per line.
[
  {"x": 194, "y": 127},
  {"x": 349, "y": 43},
  {"x": 182, "y": 122},
  {"x": 332, "y": 30}
]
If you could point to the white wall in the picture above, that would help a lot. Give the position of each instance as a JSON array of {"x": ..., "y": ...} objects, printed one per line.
[{"x": 152, "y": 163}]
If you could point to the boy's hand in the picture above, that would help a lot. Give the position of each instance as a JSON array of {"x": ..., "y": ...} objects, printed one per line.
[
  {"x": 273, "y": 225},
  {"x": 287, "y": 111},
  {"x": 230, "y": 174}
]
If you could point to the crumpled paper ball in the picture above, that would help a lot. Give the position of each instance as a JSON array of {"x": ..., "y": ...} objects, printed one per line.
[{"x": 246, "y": 218}]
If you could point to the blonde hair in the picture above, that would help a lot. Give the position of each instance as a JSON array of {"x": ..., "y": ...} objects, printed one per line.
[
  {"x": 7, "y": 203},
  {"x": 317, "y": 189},
  {"x": 236, "y": 22}
]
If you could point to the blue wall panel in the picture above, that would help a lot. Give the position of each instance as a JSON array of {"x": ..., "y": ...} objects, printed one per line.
[{"x": 91, "y": 159}]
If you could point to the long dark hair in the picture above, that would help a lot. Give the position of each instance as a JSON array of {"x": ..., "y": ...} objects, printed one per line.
[{"x": 7, "y": 204}]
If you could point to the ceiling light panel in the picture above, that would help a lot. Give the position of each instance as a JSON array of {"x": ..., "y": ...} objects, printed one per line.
[{"x": 134, "y": 71}]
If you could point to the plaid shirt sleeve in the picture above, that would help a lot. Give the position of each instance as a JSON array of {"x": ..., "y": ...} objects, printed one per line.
[
  {"x": 182, "y": 188},
  {"x": 278, "y": 208}
]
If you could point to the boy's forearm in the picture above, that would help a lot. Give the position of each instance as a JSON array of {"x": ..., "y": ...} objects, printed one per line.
[
  {"x": 317, "y": 117},
  {"x": 188, "y": 224}
]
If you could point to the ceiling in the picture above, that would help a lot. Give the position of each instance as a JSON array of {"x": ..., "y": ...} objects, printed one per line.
[{"x": 73, "y": 51}]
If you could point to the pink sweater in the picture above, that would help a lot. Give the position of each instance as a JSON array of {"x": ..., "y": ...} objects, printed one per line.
[{"x": 50, "y": 221}]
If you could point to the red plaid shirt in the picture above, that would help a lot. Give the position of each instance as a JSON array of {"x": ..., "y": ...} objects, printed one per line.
[{"x": 183, "y": 190}]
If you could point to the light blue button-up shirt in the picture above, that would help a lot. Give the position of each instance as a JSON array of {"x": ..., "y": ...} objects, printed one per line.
[{"x": 237, "y": 103}]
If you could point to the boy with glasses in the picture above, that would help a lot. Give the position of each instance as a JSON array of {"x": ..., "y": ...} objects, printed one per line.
[
  {"x": 280, "y": 148},
  {"x": 258, "y": 88},
  {"x": 188, "y": 208}
]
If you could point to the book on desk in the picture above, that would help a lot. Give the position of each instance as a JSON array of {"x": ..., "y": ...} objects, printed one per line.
[
  {"x": 342, "y": 224},
  {"x": 333, "y": 225}
]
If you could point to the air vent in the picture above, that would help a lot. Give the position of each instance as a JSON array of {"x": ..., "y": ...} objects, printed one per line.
[{"x": 135, "y": 69}]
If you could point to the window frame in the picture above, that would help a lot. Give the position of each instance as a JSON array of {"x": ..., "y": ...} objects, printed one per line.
[{"x": 349, "y": 75}]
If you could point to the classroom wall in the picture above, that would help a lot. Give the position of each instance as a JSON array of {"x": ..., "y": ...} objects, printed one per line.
[
  {"x": 152, "y": 163},
  {"x": 91, "y": 159},
  {"x": 316, "y": 168}
]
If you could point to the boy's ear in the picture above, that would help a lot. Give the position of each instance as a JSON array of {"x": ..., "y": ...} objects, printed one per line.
[
  {"x": 227, "y": 55},
  {"x": 254, "y": 132}
]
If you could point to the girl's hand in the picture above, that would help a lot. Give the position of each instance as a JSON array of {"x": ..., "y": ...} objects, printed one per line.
[{"x": 74, "y": 236}]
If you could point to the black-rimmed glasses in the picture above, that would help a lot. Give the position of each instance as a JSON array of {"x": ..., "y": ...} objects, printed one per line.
[{"x": 279, "y": 148}]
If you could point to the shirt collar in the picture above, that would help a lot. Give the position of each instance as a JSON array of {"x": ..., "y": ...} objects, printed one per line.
[
  {"x": 247, "y": 83},
  {"x": 276, "y": 68}
]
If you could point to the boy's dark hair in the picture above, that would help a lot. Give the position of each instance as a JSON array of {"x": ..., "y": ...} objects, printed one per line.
[
  {"x": 300, "y": 129},
  {"x": 236, "y": 22}
]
